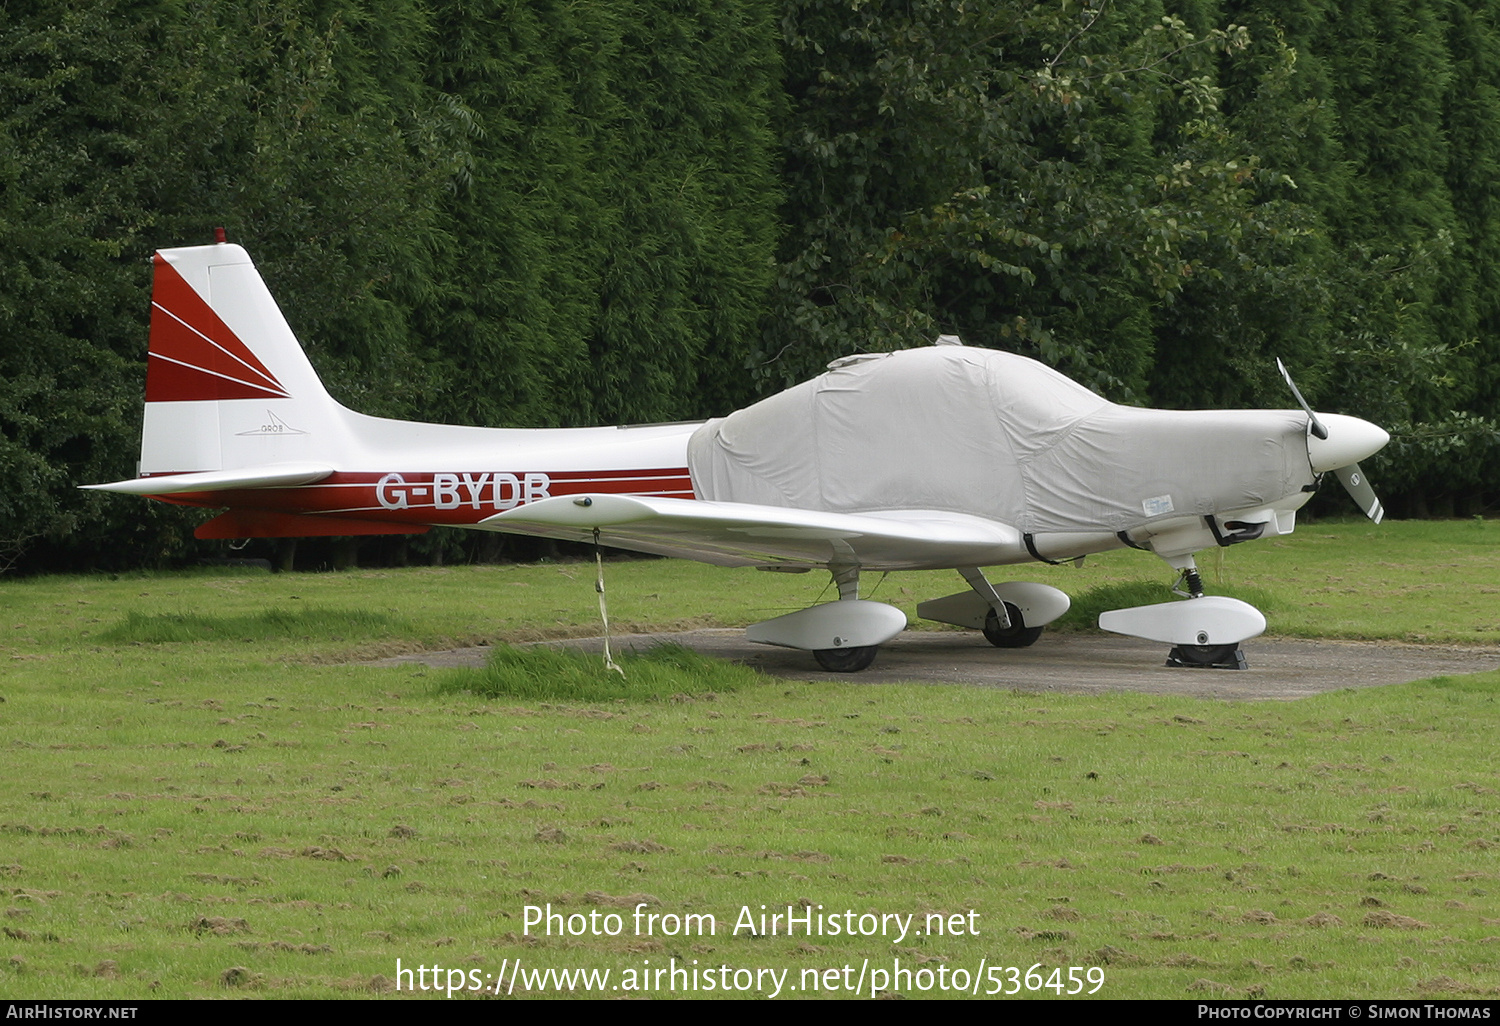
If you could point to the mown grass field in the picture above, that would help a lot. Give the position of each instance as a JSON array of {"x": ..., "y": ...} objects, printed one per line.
[{"x": 206, "y": 795}]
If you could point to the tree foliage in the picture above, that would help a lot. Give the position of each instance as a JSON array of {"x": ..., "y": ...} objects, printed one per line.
[
  {"x": 613, "y": 245},
  {"x": 1033, "y": 176}
]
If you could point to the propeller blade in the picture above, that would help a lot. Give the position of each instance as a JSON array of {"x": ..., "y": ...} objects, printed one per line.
[
  {"x": 1358, "y": 487},
  {"x": 1318, "y": 430}
]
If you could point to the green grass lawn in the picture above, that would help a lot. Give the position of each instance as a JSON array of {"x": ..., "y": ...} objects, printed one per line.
[{"x": 206, "y": 795}]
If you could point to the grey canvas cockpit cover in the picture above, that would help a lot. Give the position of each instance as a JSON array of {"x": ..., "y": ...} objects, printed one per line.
[{"x": 996, "y": 435}]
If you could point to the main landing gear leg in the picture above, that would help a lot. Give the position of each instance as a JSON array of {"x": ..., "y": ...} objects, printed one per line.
[
  {"x": 1004, "y": 626},
  {"x": 856, "y": 657}
]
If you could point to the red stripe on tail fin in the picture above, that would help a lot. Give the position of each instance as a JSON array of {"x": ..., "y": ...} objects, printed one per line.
[{"x": 194, "y": 354}]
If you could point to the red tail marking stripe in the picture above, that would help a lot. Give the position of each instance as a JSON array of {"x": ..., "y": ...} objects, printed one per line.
[
  {"x": 261, "y": 391},
  {"x": 198, "y": 356},
  {"x": 254, "y": 367}
]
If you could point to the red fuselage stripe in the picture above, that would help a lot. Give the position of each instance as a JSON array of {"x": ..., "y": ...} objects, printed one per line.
[{"x": 456, "y": 498}]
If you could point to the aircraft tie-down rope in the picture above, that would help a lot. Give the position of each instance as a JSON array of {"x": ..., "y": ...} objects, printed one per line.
[{"x": 609, "y": 663}]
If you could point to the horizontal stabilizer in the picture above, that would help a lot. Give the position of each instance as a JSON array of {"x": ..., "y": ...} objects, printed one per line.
[
  {"x": 748, "y": 534},
  {"x": 273, "y": 475}
]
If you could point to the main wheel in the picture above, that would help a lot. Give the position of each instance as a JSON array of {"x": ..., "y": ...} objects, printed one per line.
[
  {"x": 846, "y": 660},
  {"x": 1017, "y": 635}
]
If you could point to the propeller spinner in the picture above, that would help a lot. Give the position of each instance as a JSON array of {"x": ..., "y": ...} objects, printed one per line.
[{"x": 1336, "y": 442}]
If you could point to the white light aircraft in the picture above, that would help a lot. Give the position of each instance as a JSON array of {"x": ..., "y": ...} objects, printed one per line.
[{"x": 942, "y": 457}]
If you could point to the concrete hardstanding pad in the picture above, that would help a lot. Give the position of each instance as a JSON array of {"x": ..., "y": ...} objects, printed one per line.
[{"x": 1279, "y": 667}]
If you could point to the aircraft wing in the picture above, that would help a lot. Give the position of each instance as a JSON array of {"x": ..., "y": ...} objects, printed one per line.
[
  {"x": 271, "y": 475},
  {"x": 745, "y": 534}
]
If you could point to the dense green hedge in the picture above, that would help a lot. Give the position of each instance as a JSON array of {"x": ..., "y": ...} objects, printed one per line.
[
  {"x": 494, "y": 213},
  {"x": 539, "y": 212}
]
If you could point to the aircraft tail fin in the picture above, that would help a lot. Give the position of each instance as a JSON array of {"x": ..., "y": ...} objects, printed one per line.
[{"x": 227, "y": 382}]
